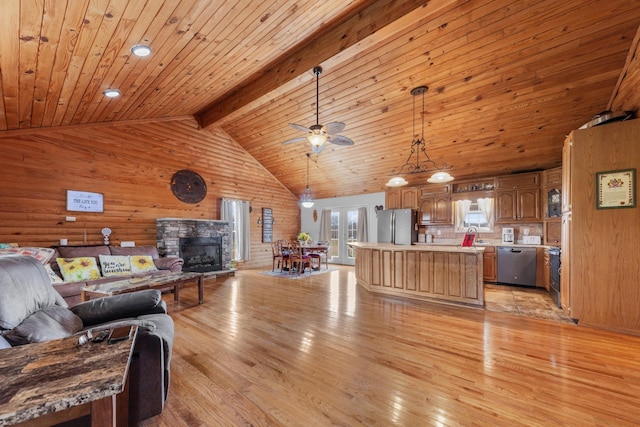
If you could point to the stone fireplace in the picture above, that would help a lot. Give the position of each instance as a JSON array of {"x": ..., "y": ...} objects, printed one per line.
[{"x": 205, "y": 245}]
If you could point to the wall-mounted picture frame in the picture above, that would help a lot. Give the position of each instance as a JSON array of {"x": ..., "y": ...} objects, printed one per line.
[
  {"x": 616, "y": 189},
  {"x": 84, "y": 201},
  {"x": 267, "y": 225}
]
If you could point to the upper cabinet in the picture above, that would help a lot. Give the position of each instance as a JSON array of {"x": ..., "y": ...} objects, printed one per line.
[
  {"x": 401, "y": 198},
  {"x": 435, "y": 205},
  {"x": 552, "y": 205},
  {"x": 518, "y": 198}
]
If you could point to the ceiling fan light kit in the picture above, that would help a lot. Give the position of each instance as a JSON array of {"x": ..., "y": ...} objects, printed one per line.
[
  {"x": 318, "y": 134},
  {"x": 418, "y": 145}
]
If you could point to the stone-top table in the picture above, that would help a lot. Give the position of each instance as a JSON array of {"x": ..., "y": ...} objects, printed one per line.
[{"x": 41, "y": 379}]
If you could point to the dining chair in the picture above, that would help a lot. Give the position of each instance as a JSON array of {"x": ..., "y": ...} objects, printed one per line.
[
  {"x": 297, "y": 259},
  {"x": 319, "y": 253},
  {"x": 282, "y": 253}
]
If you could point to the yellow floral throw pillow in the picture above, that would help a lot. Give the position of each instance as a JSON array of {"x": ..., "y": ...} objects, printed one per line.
[
  {"x": 142, "y": 263},
  {"x": 78, "y": 269}
]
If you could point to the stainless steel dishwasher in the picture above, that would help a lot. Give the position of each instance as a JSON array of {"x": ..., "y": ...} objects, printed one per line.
[{"x": 517, "y": 265}]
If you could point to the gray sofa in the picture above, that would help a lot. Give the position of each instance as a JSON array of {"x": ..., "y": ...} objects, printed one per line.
[
  {"x": 70, "y": 291},
  {"x": 31, "y": 310}
]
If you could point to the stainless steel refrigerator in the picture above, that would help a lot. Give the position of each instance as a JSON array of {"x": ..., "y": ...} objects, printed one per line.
[{"x": 398, "y": 226}]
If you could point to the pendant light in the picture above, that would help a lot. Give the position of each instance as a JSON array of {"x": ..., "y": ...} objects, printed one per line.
[
  {"x": 418, "y": 146},
  {"x": 306, "y": 201}
]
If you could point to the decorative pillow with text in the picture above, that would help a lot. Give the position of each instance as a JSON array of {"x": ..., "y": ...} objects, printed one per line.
[
  {"x": 142, "y": 263},
  {"x": 115, "y": 265},
  {"x": 52, "y": 274},
  {"x": 78, "y": 269}
]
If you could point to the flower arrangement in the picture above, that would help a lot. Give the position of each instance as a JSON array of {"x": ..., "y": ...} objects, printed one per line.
[{"x": 304, "y": 237}]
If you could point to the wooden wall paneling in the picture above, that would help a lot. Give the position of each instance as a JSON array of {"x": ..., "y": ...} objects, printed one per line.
[
  {"x": 132, "y": 168},
  {"x": 626, "y": 96}
]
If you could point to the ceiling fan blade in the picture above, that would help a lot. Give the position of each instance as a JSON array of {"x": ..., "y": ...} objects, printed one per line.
[
  {"x": 299, "y": 127},
  {"x": 294, "y": 140},
  {"x": 334, "y": 127},
  {"x": 340, "y": 140}
]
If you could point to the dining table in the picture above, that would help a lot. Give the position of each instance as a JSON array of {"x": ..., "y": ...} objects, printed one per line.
[{"x": 314, "y": 248}]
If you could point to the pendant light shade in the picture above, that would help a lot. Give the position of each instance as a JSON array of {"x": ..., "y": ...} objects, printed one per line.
[{"x": 397, "y": 181}]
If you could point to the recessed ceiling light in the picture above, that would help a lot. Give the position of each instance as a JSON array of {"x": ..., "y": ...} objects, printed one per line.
[
  {"x": 141, "y": 50},
  {"x": 111, "y": 93}
]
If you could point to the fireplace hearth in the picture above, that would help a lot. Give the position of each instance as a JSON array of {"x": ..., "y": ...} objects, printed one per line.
[
  {"x": 201, "y": 254},
  {"x": 208, "y": 243}
]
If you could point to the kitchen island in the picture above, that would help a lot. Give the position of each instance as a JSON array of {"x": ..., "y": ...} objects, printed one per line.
[{"x": 450, "y": 274}]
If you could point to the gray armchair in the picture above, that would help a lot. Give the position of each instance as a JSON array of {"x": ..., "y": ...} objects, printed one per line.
[{"x": 31, "y": 310}]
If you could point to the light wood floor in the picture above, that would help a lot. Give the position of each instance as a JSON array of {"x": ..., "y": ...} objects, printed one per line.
[{"x": 322, "y": 351}]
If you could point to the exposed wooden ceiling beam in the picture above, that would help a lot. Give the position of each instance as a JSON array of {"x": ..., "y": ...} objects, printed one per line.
[{"x": 346, "y": 32}]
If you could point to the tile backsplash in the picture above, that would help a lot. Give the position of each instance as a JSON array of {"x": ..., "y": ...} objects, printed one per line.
[{"x": 447, "y": 232}]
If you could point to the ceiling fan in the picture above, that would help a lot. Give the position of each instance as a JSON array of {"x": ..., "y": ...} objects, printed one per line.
[{"x": 318, "y": 134}]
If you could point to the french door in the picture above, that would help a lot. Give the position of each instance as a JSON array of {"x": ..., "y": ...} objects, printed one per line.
[{"x": 344, "y": 229}]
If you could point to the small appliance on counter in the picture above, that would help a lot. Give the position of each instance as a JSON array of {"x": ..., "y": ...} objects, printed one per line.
[
  {"x": 508, "y": 235},
  {"x": 531, "y": 240}
]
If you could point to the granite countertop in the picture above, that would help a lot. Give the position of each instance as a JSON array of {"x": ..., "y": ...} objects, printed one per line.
[
  {"x": 41, "y": 378},
  {"x": 422, "y": 247},
  {"x": 488, "y": 242}
]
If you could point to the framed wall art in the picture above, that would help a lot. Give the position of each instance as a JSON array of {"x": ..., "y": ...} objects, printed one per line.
[
  {"x": 616, "y": 189},
  {"x": 84, "y": 201},
  {"x": 267, "y": 225}
]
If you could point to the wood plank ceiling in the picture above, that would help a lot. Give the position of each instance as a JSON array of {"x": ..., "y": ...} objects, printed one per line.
[{"x": 508, "y": 79}]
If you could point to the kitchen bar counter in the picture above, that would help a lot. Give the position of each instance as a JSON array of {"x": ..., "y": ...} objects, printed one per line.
[{"x": 442, "y": 273}]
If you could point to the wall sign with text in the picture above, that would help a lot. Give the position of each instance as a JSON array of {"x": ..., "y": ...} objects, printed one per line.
[
  {"x": 616, "y": 189},
  {"x": 84, "y": 201}
]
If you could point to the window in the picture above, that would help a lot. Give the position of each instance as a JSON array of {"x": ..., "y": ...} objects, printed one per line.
[
  {"x": 474, "y": 213},
  {"x": 236, "y": 212}
]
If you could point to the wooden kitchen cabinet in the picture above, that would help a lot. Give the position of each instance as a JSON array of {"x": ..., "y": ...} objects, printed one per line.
[
  {"x": 436, "y": 210},
  {"x": 522, "y": 180},
  {"x": 520, "y": 205},
  {"x": 409, "y": 197},
  {"x": 552, "y": 231},
  {"x": 435, "y": 205},
  {"x": 552, "y": 205},
  {"x": 543, "y": 265},
  {"x": 518, "y": 198},
  {"x": 393, "y": 198},
  {"x": 401, "y": 198},
  {"x": 489, "y": 264}
]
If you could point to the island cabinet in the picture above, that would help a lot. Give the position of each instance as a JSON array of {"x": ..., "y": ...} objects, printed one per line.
[
  {"x": 518, "y": 198},
  {"x": 435, "y": 205},
  {"x": 444, "y": 273}
]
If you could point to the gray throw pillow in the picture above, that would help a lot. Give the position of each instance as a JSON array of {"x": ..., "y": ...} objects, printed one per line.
[{"x": 47, "y": 324}]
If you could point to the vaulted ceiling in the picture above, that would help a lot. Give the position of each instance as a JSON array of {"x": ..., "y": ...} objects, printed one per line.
[{"x": 507, "y": 79}]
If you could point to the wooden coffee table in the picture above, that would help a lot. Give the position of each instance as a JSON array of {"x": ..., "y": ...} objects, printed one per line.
[{"x": 170, "y": 280}]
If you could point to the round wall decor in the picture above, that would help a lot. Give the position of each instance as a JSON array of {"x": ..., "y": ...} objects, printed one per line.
[{"x": 188, "y": 186}]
